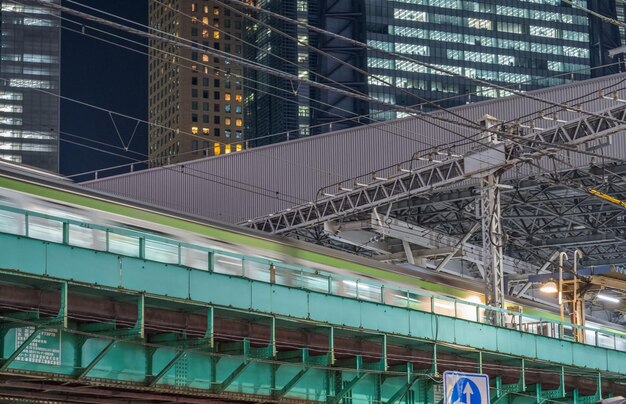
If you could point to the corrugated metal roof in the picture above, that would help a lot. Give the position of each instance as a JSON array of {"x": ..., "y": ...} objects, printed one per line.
[{"x": 256, "y": 182}]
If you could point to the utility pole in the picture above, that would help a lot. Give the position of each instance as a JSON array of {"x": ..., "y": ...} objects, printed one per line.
[{"x": 490, "y": 215}]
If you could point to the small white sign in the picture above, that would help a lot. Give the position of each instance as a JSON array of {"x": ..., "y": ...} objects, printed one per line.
[{"x": 465, "y": 388}]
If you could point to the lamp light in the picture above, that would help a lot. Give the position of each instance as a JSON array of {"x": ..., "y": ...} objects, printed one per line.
[
  {"x": 607, "y": 298},
  {"x": 549, "y": 287}
]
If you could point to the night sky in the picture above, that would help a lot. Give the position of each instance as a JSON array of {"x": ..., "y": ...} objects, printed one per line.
[{"x": 106, "y": 76}]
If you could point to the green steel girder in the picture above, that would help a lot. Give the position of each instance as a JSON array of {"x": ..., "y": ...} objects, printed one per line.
[
  {"x": 126, "y": 273},
  {"x": 415, "y": 386},
  {"x": 578, "y": 399},
  {"x": 153, "y": 380},
  {"x": 299, "y": 369},
  {"x": 82, "y": 373},
  {"x": 346, "y": 389},
  {"x": 7, "y": 362},
  {"x": 221, "y": 387},
  {"x": 287, "y": 387},
  {"x": 502, "y": 391},
  {"x": 557, "y": 393},
  {"x": 403, "y": 390}
]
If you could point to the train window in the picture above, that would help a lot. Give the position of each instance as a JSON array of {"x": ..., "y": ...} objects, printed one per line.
[
  {"x": 194, "y": 258},
  {"x": 45, "y": 229},
  {"x": 228, "y": 265},
  {"x": 125, "y": 245},
  {"x": 13, "y": 223},
  {"x": 260, "y": 271},
  {"x": 161, "y": 252},
  {"x": 87, "y": 238}
]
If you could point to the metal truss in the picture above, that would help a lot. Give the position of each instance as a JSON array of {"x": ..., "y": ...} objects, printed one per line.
[{"x": 353, "y": 196}]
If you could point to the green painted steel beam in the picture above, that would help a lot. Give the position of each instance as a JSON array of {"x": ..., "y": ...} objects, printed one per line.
[
  {"x": 287, "y": 387},
  {"x": 84, "y": 371},
  {"x": 403, "y": 390},
  {"x": 7, "y": 362},
  {"x": 346, "y": 389},
  {"x": 154, "y": 380},
  {"x": 112, "y": 273},
  {"x": 220, "y": 388}
]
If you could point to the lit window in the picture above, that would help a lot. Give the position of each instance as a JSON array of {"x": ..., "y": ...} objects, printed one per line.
[
  {"x": 238, "y": 122},
  {"x": 543, "y": 31},
  {"x": 227, "y": 121},
  {"x": 205, "y": 58},
  {"x": 194, "y": 130},
  {"x": 227, "y": 96},
  {"x": 227, "y": 149},
  {"x": 217, "y": 149},
  {"x": 205, "y": 20},
  {"x": 206, "y": 9},
  {"x": 205, "y": 33},
  {"x": 227, "y": 132},
  {"x": 194, "y": 7},
  {"x": 238, "y": 147},
  {"x": 216, "y": 35},
  {"x": 216, "y": 11},
  {"x": 205, "y": 131},
  {"x": 479, "y": 23},
  {"x": 238, "y": 97}
]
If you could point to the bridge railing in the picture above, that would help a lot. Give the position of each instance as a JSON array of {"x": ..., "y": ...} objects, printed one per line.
[{"x": 78, "y": 232}]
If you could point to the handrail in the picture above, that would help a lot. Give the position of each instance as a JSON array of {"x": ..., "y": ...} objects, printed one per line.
[{"x": 361, "y": 289}]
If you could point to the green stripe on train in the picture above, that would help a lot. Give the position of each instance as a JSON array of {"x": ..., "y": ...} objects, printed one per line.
[{"x": 231, "y": 236}]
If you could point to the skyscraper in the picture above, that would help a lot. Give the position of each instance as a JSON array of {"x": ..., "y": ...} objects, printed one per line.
[
  {"x": 522, "y": 44},
  {"x": 195, "y": 98},
  {"x": 29, "y": 84}
]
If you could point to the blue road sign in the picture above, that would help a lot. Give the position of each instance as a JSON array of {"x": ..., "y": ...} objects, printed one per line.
[{"x": 465, "y": 388}]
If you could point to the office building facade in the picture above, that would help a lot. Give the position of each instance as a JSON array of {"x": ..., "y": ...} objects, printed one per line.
[
  {"x": 195, "y": 98},
  {"x": 521, "y": 44},
  {"x": 29, "y": 84}
]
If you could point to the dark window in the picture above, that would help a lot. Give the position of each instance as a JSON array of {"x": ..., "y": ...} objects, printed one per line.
[
  {"x": 216, "y": 95},
  {"x": 216, "y": 120},
  {"x": 216, "y": 82},
  {"x": 216, "y": 131},
  {"x": 194, "y": 117},
  {"x": 205, "y": 118},
  {"x": 194, "y": 81},
  {"x": 205, "y": 106},
  {"x": 205, "y": 94}
]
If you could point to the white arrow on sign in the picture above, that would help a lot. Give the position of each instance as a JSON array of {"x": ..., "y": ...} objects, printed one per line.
[{"x": 468, "y": 392}]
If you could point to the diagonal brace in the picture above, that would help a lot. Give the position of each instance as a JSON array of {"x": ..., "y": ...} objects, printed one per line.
[
  {"x": 457, "y": 247},
  {"x": 95, "y": 360},
  {"x": 280, "y": 394},
  {"x": 347, "y": 388},
  {"x": 231, "y": 378},
  {"x": 154, "y": 380},
  {"x": 20, "y": 349},
  {"x": 403, "y": 390}
]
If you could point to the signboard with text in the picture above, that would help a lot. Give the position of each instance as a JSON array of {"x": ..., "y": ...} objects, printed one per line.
[{"x": 45, "y": 349}]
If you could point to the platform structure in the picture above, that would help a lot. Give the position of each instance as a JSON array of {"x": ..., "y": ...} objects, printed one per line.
[{"x": 131, "y": 314}]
